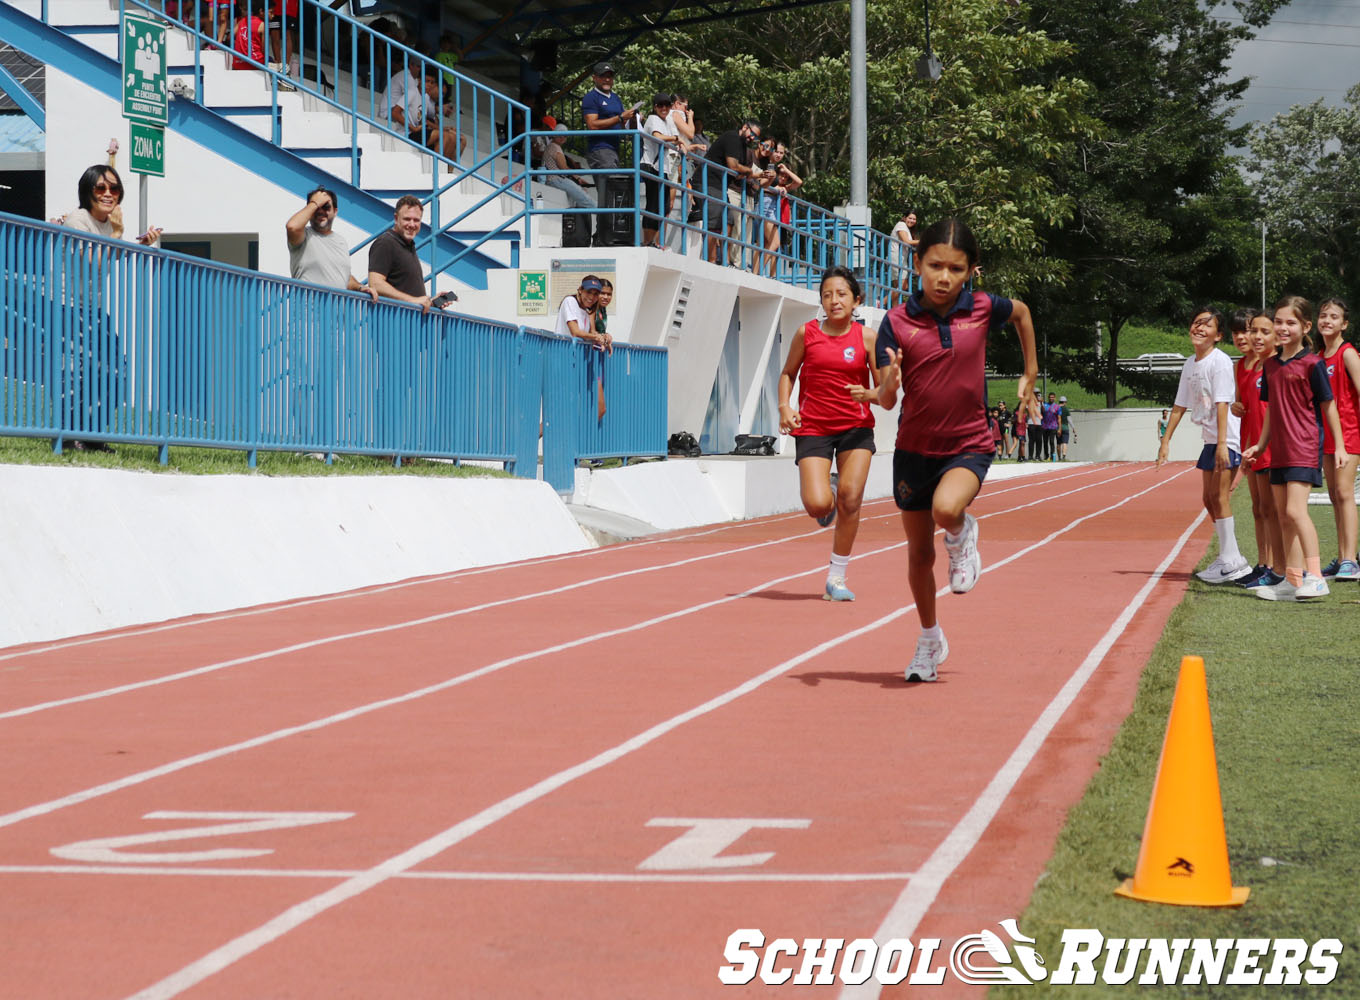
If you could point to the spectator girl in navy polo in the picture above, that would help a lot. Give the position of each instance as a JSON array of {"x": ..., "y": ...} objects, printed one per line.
[
  {"x": 934, "y": 348},
  {"x": 1300, "y": 404},
  {"x": 832, "y": 362}
]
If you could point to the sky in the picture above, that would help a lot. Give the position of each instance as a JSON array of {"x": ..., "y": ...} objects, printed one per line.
[{"x": 1310, "y": 49}]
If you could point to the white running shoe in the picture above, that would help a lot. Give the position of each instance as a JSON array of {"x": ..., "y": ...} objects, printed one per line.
[
  {"x": 1224, "y": 572},
  {"x": 930, "y": 653},
  {"x": 1209, "y": 574},
  {"x": 964, "y": 562},
  {"x": 1282, "y": 591},
  {"x": 1312, "y": 587}
]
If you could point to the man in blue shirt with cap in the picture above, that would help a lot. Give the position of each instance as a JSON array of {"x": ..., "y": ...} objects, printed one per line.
[{"x": 601, "y": 108}]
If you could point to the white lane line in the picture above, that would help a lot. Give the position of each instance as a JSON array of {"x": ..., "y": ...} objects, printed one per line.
[
  {"x": 129, "y": 781},
  {"x": 423, "y": 581},
  {"x": 920, "y": 892},
  {"x": 300, "y": 913},
  {"x": 444, "y": 616},
  {"x": 460, "y": 876}
]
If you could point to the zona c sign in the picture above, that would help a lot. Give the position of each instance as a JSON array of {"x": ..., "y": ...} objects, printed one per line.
[{"x": 147, "y": 154}]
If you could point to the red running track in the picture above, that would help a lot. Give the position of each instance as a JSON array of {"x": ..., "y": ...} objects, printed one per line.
[{"x": 577, "y": 776}]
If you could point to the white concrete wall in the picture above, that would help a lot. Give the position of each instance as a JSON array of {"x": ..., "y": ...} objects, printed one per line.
[
  {"x": 1129, "y": 435},
  {"x": 83, "y": 550}
]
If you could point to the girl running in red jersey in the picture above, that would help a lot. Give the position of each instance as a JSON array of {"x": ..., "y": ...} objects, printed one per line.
[
  {"x": 1343, "y": 371},
  {"x": 1300, "y": 405},
  {"x": 831, "y": 362},
  {"x": 1269, "y": 569},
  {"x": 934, "y": 348}
]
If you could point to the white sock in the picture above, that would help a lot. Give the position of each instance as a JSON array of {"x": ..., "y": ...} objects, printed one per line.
[
  {"x": 932, "y": 633},
  {"x": 840, "y": 566},
  {"x": 1227, "y": 540}
]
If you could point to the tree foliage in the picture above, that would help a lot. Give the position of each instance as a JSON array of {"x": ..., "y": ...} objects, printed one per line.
[
  {"x": 1306, "y": 165},
  {"x": 978, "y": 143},
  {"x": 1144, "y": 239}
]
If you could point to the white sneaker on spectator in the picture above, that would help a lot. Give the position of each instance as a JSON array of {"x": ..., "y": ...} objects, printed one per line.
[
  {"x": 1224, "y": 572},
  {"x": 1312, "y": 587},
  {"x": 930, "y": 653},
  {"x": 964, "y": 562},
  {"x": 1209, "y": 574},
  {"x": 1282, "y": 591}
]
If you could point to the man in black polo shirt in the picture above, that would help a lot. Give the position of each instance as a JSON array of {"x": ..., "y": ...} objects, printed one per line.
[
  {"x": 393, "y": 265},
  {"x": 735, "y": 151}
]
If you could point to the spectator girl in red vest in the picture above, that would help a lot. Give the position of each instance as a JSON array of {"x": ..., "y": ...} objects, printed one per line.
[
  {"x": 934, "y": 348},
  {"x": 832, "y": 362},
  {"x": 1343, "y": 371},
  {"x": 1269, "y": 569},
  {"x": 248, "y": 38}
]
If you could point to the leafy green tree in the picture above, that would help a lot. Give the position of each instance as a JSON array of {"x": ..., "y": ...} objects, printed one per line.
[
  {"x": 1306, "y": 165},
  {"x": 977, "y": 143},
  {"x": 1142, "y": 241}
]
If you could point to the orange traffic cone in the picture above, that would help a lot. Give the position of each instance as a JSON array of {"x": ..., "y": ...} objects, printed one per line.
[{"x": 1184, "y": 855}]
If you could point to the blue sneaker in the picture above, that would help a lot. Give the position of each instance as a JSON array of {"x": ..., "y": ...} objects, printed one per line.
[
  {"x": 836, "y": 590},
  {"x": 1251, "y": 578},
  {"x": 1348, "y": 570},
  {"x": 1268, "y": 578},
  {"x": 826, "y": 519},
  {"x": 1331, "y": 568}
]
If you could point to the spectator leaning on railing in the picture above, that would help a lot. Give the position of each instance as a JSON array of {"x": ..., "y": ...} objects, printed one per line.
[
  {"x": 393, "y": 265},
  {"x": 734, "y": 150},
  {"x": 659, "y": 140},
  {"x": 316, "y": 252}
]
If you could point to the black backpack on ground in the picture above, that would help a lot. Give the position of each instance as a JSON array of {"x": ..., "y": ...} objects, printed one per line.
[
  {"x": 683, "y": 443},
  {"x": 754, "y": 444}
]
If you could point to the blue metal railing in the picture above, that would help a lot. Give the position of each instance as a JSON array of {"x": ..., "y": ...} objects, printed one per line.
[
  {"x": 707, "y": 208},
  {"x": 348, "y": 66},
  {"x": 109, "y": 341}
]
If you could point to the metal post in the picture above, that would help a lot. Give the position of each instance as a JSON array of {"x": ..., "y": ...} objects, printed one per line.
[
  {"x": 1263, "y": 265},
  {"x": 859, "y": 116},
  {"x": 141, "y": 204}
]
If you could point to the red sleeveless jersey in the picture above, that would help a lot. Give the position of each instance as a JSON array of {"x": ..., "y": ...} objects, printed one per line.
[
  {"x": 829, "y": 364},
  {"x": 1347, "y": 405},
  {"x": 1249, "y": 395}
]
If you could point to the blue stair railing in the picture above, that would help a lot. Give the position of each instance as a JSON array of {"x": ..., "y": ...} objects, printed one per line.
[{"x": 337, "y": 48}]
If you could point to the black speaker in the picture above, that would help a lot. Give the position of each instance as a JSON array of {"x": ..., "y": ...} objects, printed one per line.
[
  {"x": 576, "y": 230},
  {"x": 616, "y": 228}
]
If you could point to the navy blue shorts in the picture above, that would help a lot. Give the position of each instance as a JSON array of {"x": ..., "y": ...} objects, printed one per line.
[
  {"x": 1208, "y": 455},
  {"x": 915, "y": 477},
  {"x": 827, "y": 445},
  {"x": 1296, "y": 474}
]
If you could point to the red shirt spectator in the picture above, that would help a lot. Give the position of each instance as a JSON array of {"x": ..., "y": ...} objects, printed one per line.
[
  {"x": 248, "y": 39},
  {"x": 1347, "y": 405},
  {"x": 1249, "y": 382}
]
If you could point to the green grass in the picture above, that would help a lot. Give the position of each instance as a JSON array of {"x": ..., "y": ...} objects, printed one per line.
[
  {"x": 1286, "y": 716},
  {"x": 217, "y": 461}
]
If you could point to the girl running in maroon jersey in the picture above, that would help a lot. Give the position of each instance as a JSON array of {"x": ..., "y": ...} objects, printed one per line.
[
  {"x": 1300, "y": 405},
  {"x": 1343, "y": 371},
  {"x": 831, "y": 362},
  {"x": 934, "y": 347}
]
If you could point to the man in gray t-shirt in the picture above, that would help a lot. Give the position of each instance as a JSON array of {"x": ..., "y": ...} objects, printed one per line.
[{"x": 317, "y": 253}]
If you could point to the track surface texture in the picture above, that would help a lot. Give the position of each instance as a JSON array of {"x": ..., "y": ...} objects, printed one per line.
[{"x": 577, "y": 776}]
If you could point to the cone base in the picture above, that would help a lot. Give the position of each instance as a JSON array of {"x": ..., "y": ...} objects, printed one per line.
[{"x": 1237, "y": 898}]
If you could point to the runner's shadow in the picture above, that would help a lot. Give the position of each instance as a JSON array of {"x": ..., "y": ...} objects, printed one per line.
[
  {"x": 1176, "y": 577},
  {"x": 889, "y": 681},
  {"x": 785, "y": 595}
]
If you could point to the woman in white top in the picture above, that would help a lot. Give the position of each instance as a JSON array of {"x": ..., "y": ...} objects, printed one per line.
[
  {"x": 100, "y": 191},
  {"x": 658, "y": 133}
]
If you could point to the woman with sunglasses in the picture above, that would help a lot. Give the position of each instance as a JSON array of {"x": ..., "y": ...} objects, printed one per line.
[{"x": 101, "y": 199}]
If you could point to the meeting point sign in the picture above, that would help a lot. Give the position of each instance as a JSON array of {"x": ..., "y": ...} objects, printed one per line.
[{"x": 989, "y": 958}]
